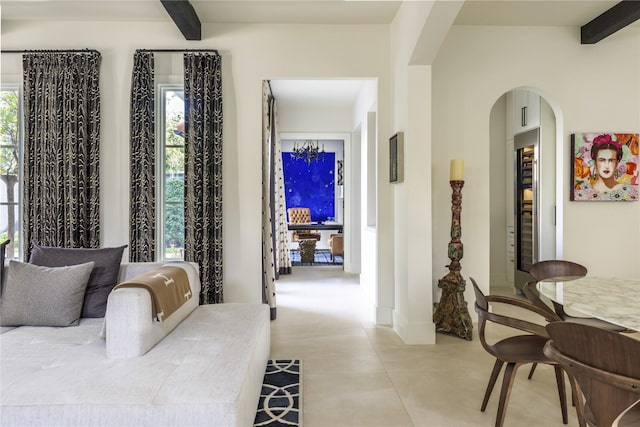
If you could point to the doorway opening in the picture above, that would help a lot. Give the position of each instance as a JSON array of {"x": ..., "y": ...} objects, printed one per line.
[
  {"x": 527, "y": 159},
  {"x": 340, "y": 113},
  {"x": 314, "y": 186}
]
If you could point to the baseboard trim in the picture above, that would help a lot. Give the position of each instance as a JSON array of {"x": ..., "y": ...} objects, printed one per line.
[
  {"x": 384, "y": 316},
  {"x": 414, "y": 333}
]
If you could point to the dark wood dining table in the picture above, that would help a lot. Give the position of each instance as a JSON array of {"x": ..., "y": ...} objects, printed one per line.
[
  {"x": 317, "y": 226},
  {"x": 613, "y": 300}
]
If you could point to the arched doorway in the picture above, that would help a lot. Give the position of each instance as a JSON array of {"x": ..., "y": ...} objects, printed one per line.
[{"x": 526, "y": 191}]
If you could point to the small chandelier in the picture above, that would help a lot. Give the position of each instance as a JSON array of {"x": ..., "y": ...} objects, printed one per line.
[{"x": 308, "y": 150}]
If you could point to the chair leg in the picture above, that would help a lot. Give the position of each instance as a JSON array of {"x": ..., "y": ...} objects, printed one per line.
[
  {"x": 505, "y": 393},
  {"x": 533, "y": 369},
  {"x": 492, "y": 381},
  {"x": 561, "y": 393}
]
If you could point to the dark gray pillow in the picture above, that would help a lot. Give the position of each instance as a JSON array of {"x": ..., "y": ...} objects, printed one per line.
[
  {"x": 43, "y": 296},
  {"x": 102, "y": 280}
]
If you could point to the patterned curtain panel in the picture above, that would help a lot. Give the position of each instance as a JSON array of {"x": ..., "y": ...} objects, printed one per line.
[
  {"x": 61, "y": 149},
  {"x": 268, "y": 258},
  {"x": 282, "y": 235},
  {"x": 142, "y": 210},
  {"x": 203, "y": 170}
]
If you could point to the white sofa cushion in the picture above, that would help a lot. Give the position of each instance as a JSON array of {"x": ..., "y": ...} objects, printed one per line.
[
  {"x": 131, "y": 330},
  {"x": 208, "y": 371}
]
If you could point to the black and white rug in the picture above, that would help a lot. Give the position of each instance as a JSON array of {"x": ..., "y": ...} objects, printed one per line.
[
  {"x": 280, "y": 401},
  {"x": 322, "y": 257}
]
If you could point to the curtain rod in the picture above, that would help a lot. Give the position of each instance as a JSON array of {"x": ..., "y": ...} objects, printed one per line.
[
  {"x": 48, "y": 50},
  {"x": 178, "y": 50}
]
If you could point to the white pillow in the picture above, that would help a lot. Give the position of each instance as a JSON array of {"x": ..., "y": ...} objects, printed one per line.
[{"x": 43, "y": 296}]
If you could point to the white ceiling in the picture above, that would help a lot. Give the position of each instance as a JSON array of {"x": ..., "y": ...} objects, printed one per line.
[
  {"x": 567, "y": 13},
  {"x": 474, "y": 12},
  {"x": 319, "y": 93},
  {"x": 573, "y": 13},
  {"x": 209, "y": 11}
]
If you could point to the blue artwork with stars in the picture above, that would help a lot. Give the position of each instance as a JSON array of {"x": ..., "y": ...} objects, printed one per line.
[{"x": 310, "y": 185}]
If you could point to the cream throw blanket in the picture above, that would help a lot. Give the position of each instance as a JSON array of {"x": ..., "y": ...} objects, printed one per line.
[{"x": 168, "y": 286}]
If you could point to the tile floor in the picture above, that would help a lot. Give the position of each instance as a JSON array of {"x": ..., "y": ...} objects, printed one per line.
[{"x": 358, "y": 374}]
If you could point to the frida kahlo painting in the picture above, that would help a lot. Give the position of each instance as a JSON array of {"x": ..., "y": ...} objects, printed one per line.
[{"x": 604, "y": 166}]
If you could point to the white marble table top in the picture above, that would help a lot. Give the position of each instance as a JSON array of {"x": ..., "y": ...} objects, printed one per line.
[{"x": 614, "y": 300}]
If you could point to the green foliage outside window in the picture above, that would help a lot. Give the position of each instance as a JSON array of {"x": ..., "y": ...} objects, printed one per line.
[
  {"x": 174, "y": 208},
  {"x": 174, "y": 175},
  {"x": 9, "y": 167}
]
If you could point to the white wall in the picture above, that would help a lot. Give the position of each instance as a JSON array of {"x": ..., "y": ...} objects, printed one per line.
[
  {"x": 370, "y": 265},
  {"x": 547, "y": 182},
  {"x": 498, "y": 181},
  {"x": 314, "y": 119},
  {"x": 250, "y": 54},
  {"x": 474, "y": 67},
  {"x": 405, "y": 231}
]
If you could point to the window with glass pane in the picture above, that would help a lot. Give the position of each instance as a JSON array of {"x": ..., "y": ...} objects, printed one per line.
[
  {"x": 10, "y": 171},
  {"x": 173, "y": 173}
]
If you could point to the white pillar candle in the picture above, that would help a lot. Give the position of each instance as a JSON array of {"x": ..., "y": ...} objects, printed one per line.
[{"x": 456, "y": 171}]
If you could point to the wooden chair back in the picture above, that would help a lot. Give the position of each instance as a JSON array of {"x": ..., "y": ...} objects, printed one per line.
[
  {"x": 605, "y": 366},
  {"x": 484, "y": 315},
  {"x": 302, "y": 216},
  {"x": 542, "y": 270}
]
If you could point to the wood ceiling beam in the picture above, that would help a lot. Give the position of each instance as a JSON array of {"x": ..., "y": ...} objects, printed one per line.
[
  {"x": 185, "y": 18},
  {"x": 610, "y": 21}
]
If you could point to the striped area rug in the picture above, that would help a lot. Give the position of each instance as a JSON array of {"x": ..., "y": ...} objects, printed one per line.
[{"x": 280, "y": 401}]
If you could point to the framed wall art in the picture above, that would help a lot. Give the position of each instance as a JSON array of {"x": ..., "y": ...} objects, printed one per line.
[
  {"x": 604, "y": 166},
  {"x": 396, "y": 165},
  {"x": 310, "y": 184}
]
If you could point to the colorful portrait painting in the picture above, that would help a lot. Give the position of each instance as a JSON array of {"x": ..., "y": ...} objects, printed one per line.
[{"x": 604, "y": 167}]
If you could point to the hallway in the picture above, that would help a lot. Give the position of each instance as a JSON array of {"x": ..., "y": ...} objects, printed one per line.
[{"x": 357, "y": 374}]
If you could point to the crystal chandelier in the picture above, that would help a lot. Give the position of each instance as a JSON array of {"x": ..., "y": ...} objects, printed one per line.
[{"x": 308, "y": 150}]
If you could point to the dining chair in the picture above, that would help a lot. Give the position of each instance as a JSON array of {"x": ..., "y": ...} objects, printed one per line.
[
  {"x": 336, "y": 245},
  {"x": 3, "y": 255},
  {"x": 629, "y": 417},
  {"x": 515, "y": 350},
  {"x": 568, "y": 270},
  {"x": 302, "y": 216},
  {"x": 606, "y": 371}
]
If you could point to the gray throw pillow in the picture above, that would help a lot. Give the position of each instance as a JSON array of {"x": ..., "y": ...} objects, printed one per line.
[
  {"x": 43, "y": 296},
  {"x": 102, "y": 280}
]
